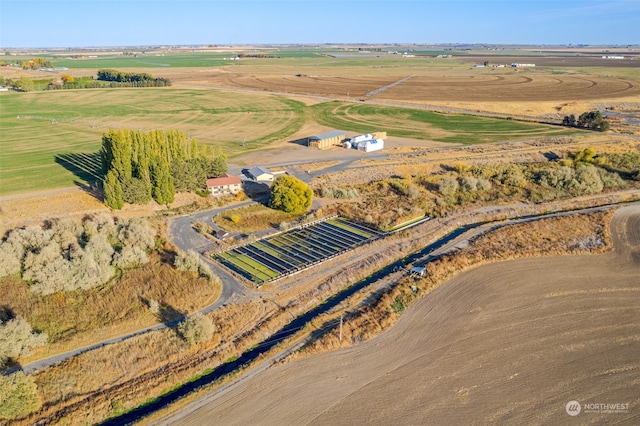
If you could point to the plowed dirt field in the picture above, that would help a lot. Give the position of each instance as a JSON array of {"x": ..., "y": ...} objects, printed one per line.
[
  {"x": 510, "y": 342},
  {"x": 508, "y": 86}
]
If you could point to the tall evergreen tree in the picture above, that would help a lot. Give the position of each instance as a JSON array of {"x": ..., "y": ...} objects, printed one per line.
[
  {"x": 154, "y": 164},
  {"x": 163, "y": 190},
  {"x": 113, "y": 197}
]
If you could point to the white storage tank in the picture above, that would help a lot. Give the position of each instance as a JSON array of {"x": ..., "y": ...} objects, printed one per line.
[
  {"x": 371, "y": 145},
  {"x": 361, "y": 138}
]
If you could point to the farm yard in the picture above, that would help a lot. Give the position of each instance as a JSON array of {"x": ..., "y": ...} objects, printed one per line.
[
  {"x": 444, "y": 118},
  {"x": 295, "y": 250}
]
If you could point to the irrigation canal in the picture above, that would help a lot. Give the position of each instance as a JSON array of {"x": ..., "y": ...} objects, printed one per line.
[
  {"x": 285, "y": 332},
  {"x": 418, "y": 258}
]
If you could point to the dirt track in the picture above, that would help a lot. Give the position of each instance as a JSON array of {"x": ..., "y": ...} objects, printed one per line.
[{"x": 510, "y": 342}]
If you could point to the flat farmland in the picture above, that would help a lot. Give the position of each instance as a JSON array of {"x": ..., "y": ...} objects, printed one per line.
[
  {"x": 517, "y": 87},
  {"x": 427, "y": 125},
  {"x": 557, "y": 59},
  {"x": 295, "y": 250},
  {"x": 437, "y": 84},
  {"x": 50, "y": 139},
  {"x": 511, "y": 342}
]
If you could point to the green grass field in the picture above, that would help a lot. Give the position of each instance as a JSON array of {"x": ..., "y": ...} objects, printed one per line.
[
  {"x": 427, "y": 125},
  {"x": 49, "y": 139},
  {"x": 175, "y": 60}
]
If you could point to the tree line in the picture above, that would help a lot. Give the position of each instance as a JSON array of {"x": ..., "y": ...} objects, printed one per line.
[
  {"x": 592, "y": 120},
  {"x": 140, "y": 166},
  {"x": 133, "y": 79},
  {"x": 105, "y": 79}
]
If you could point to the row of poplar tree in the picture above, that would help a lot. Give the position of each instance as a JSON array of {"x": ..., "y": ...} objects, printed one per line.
[{"x": 140, "y": 166}]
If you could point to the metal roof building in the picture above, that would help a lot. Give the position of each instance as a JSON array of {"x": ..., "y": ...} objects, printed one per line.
[
  {"x": 260, "y": 174},
  {"x": 326, "y": 140}
]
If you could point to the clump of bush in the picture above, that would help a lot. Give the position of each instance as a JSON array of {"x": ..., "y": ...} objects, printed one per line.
[
  {"x": 70, "y": 255},
  {"x": 18, "y": 396},
  {"x": 340, "y": 193},
  {"x": 196, "y": 329},
  {"x": 192, "y": 262},
  {"x": 17, "y": 339}
]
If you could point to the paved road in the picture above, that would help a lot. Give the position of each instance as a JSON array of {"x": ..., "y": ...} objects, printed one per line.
[
  {"x": 377, "y": 287},
  {"x": 185, "y": 238},
  {"x": 183, "y": 235}
]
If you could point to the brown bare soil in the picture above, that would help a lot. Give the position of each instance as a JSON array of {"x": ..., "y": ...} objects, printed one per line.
[
  {"x": 593, "y": 60},
  {"x": 510, "y": 85},
  {"x": 509, "y": 342}
]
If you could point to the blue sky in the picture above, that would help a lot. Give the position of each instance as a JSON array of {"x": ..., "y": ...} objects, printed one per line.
[{"x": 83, "y": 23}]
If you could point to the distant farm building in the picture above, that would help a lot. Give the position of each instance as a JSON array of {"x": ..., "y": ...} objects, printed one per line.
[
  {"x": 368, "y": 142},
  {"x": 516, "y": 65},
  {"x": 326, "y": 140},
  {"x": 224, "y": 185},
  {"x": 370, "y": 145},
  {"x": 260, "y": 174}
]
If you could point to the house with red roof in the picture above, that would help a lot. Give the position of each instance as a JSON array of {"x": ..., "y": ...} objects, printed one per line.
[{"x": 224, "y": 185}]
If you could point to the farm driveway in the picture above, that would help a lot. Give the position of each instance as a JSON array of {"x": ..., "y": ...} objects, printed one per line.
[{"x": 508, "y": 342}]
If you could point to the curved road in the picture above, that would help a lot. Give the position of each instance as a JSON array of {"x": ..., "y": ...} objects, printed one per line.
[
  {"x": 186, "y": 238},
  {"x": 456, "y": 243}
]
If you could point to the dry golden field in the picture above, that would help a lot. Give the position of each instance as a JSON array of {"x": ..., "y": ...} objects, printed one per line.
[
  {"x": 529, "y": 92},
  {"x": 510, "y": 342}
]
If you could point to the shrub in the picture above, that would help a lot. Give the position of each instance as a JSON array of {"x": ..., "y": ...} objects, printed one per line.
[
  {"x": 48, "y": 271},
  {"x": 202, "y": 228},
  {"x": 588, "y": 180},
  {"x": 10, "y": 258},
  {"x": 284, "y": 226},
  {"x": 18, "y": 396},
  {"x": 196, "y": 329},
  {"x": 559, "y": 178},
  {"x": 75, "y": 255},
  {"x": 139, "y": 233},
  {"x": 610, "y": 179},
  {"x": 484, "y": 184},
  {"x": 339, "y": 193},
  {"x": 154, "y": 306},
  {"x": 470, "y": 184},
  {"x": 462, "y": 167},
  {"x": 129, "y": 257},
  {"x": 192, "y": 262},
  {"x": 448, "y": 186},
  {"x": 17, "y": 339},
  {"x": 187, "y": 261}
]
